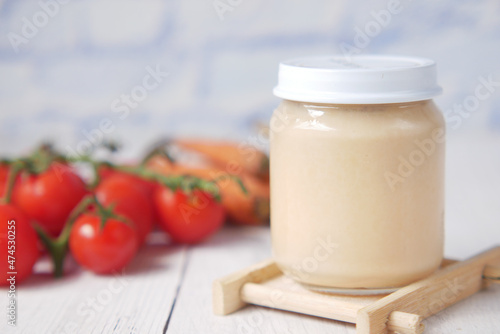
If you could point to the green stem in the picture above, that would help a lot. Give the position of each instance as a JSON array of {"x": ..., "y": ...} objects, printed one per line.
[
  {"x": 172, "y": 182},
  {"x": 95, "y": 166},
  {"x": 43, "y": 157},
  {"x": 187, "y": 183},
  {"x": 235, "y": 179},
  {"x": 15, "y": 168},
  {"x": 106, "y": 213},
  {"x": 161, "y": 150},
  {"x": 75, "y": 213},
  {"x": 97, "y": 177},
  {"x": 58, "y": 247}
]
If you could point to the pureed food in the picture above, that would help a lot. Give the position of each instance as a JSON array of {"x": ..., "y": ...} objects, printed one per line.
[{"x": 357, "y": 172}]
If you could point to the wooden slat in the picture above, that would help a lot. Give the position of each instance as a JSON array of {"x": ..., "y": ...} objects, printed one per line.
[
  {"x": 427, "y": 297},
  {"x": 405, "y": 323},
  {"x": 227, "y": 295},
  {"x": 285, "y": 294},
  {"x": 492, "y": 274}
]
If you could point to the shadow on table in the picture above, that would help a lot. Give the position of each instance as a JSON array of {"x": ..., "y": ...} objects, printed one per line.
[
  {"x": 155, "y": 256},
  {"x": 43, "y": 276},
  {"x": 152, "y": 258}
]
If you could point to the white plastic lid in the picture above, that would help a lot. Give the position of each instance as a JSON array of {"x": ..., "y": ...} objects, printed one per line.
[{"x": 368, "y": 79}]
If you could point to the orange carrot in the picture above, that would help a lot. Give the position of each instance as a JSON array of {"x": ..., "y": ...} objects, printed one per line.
[
  {"x": 235, "y": 158},
  {"x": 241, "y": 208}
]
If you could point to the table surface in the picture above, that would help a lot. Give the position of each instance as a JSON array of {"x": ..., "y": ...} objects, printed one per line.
[{"x": 167, "y": 288}]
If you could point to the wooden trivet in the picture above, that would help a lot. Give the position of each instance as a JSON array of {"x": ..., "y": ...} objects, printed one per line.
[{"x": 399, "y": 312}]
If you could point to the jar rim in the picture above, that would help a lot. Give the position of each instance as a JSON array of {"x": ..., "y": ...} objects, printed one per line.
[{"x": 362, "y": 79}]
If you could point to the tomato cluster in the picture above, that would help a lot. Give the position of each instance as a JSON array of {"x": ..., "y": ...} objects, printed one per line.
[{"x": 103, "y": 226}]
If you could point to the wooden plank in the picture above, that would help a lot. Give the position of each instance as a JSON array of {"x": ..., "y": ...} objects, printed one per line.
[
  {"x": 405, "y": 323},
  {"x": 429, "y": 296},
  {"x": 492, "y": 273},
  {"x": 229, "y": 251},
  {"x": 310, "y": 303},
  {"x": 227, "y": 292},
  {"x": 135, "y": 301}
]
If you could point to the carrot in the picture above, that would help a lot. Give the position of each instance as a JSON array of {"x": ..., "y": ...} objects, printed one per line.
[
  {"x": 230, "y": 156},
  {"x": 242, "y": 209},
  {"x": 251, "y": 209}
]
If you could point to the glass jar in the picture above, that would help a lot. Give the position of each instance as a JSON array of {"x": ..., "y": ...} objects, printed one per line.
[{"x": 357, "y": 173}]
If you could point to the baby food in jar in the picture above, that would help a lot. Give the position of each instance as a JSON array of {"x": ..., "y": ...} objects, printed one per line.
[{"x": 357, "y": 172}]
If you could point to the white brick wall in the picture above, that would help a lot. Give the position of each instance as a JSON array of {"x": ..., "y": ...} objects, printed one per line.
[{"x": 221, "y": 72}]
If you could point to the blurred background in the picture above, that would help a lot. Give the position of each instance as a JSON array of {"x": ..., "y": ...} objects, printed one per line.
[{"x": 74, "y": 71}]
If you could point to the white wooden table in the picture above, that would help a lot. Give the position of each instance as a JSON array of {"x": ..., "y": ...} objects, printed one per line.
[{"x": 167, "y": 289}]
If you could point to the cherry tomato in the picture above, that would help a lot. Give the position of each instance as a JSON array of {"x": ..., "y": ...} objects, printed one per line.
[
  {"x": 146, "y": 186},
  {"x": 127, "y": 199},
  {"x": 4, "y": 174},
  {"x": 188, "y": 218},
  {"x": 102, "y": 250},
  {"x": 18, "y": 245},
  {"x": 49, "y": 197}
]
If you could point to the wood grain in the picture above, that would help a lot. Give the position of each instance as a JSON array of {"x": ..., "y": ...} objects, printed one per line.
[
  {"x": 137, "y": 300},
  {"x": 427, "y": 297}
]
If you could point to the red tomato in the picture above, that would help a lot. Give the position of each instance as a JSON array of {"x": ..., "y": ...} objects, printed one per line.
[
  {"x": 4, "y": 174},
  {"x": 146, "y": 186},
  {"x": 188, "y": 218},
  {"x": 18, "y": 244},
  {"x": 105, "y": 250},
  {"x": 128, "y": 200},
  {"x": 49, "y": 197}
]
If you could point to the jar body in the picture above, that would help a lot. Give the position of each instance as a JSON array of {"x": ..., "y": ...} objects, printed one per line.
[{"x": 357, "y": 193}]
